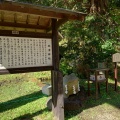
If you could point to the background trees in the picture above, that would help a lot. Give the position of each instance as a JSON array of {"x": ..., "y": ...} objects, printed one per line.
[
  {"x": 84, "y": 44},
  {"x": 92, "y": 41}
]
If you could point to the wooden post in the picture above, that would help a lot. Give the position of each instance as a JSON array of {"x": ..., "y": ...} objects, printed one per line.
[
  {"x": 57, "y": 78},
  {"x": 115, "y": 59},
  {"x": 106, "y": 76},
  {"x": 115, "y": 75},
  {"x": 96, "y": 84}
]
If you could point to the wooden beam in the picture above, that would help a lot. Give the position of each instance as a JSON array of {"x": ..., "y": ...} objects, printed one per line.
[
  {"x": 2, "y": 16},
  {"x": 48, "y": 23},
  {"x": 25, "y": 70},
  {"x": 55, "y": 46},
  {"x": 15, "y": 18},
  {"x": 43, "y": 11},
  {"x": 60, "y": 22},
  {"x": 38, "y": 20},
  {"x": 115, "y": 75},
  {"x": 24, "y": 34},
  {"x": 57, "y": 95},
  {"x": 27, "y": 20},
  {"x": 57, "y": 79},
  {"x": 21, "y": 25}
]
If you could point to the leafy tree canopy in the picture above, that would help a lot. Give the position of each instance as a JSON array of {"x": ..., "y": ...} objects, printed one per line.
[{"x": 84, "y": 44}]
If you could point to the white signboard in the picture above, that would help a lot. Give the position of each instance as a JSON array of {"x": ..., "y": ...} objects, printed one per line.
[
  {"x": 116, "y": 57},
  {"x": 20, "y": 52}
]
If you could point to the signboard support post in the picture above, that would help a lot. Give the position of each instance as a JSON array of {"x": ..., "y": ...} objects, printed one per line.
[
  {"x": 115, "y": 59},
  {"x": 115, "y": 75},
  {"x": 57, "y": 78}
]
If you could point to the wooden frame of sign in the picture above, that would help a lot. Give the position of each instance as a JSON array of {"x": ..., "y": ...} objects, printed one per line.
[
  {"x": 115, "y": 59},
  {"x": 53, "y": 45},
  {"x": 25, "y": 52},
  {"x": 29, "y": 43}
]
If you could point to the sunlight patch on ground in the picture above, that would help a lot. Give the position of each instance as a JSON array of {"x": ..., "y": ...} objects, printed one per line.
[{"x": 101, "y": 112}]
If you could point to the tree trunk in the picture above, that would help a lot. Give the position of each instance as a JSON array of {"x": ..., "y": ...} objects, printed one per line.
[{"x": 99, "y": 6}]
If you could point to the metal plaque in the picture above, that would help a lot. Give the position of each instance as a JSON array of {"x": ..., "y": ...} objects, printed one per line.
[{"x": 20, "y": 52}]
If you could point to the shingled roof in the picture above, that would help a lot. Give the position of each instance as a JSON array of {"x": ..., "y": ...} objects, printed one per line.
[{"x": 35, "y": 18}]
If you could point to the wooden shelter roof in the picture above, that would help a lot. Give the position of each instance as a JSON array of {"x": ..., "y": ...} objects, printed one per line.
[{"x": 33, "y": 18}]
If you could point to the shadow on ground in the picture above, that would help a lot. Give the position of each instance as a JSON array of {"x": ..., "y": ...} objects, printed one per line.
[
  {"x": 14, "y": 103},
  {"x": 30, "y": 116}
]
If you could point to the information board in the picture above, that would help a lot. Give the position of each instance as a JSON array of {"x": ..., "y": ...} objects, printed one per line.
[
  {"x": 20, "y": 52},
  {"x": 116, "y": 57}
]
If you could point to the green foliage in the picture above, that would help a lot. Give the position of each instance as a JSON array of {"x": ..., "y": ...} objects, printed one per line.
[
  {"x": 22, "y": 99},
  {"x": 66, "y": 4},
  {"x": 91, "y": 41}
]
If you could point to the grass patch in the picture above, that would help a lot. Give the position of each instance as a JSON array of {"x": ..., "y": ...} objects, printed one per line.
[
  {"x": 22, "y": 99},
  {"x": 10, "y": 77},
  {"x": 107, "y": 107}
]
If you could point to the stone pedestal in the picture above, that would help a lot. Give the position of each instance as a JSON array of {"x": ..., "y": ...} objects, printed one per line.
[
  {"x": 47, "y": 89},
  {"x": 73, "y": 102}
]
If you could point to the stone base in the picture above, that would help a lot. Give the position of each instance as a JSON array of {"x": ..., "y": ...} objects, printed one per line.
[
  {"x": 73, "y": 102},
  {"x": 47, "y": 89}
]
